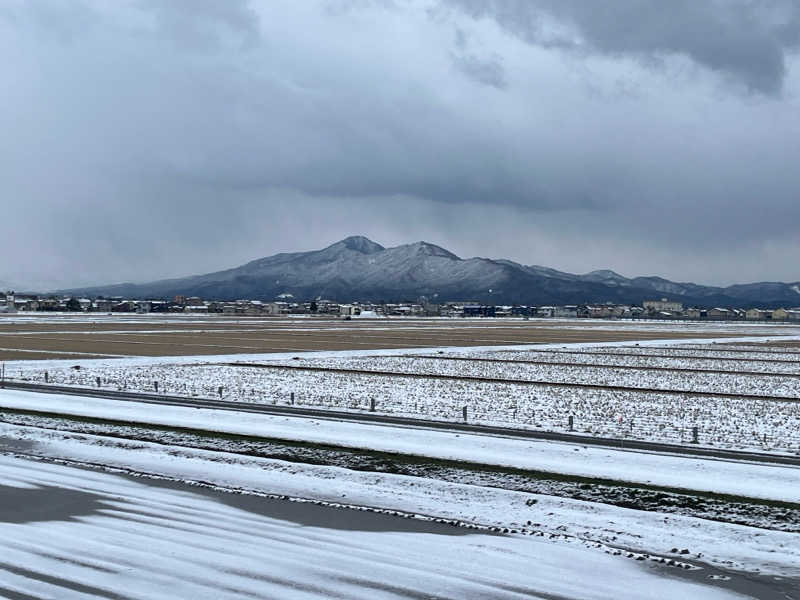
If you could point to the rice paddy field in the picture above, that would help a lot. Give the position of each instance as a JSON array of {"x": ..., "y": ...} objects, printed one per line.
[
  {"x": 39, "y": 336},
  {"x": 736, "y": 393}
]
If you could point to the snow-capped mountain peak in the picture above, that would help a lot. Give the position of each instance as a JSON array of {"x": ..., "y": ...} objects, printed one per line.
[
  {"x": 362, "y": 244},
  {"x": 356, "y": 268}
]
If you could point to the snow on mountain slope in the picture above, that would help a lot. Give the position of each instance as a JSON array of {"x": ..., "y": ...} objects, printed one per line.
[
  {"x": 356, "y": 268},
  {"x": 607, "y": 277}
]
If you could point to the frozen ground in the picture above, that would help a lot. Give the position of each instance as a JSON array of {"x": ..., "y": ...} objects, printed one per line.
[
  {"x": 112, "y": 534},
  {"x": 724, "y": 383},
  {"x": 714, "y": 350},
  {"x": 142, "y": 540},
  {"x": 740, "y": 423},
  {"x": 148, "y": 541},
  {"x": 562, "y": 548},
  {"x": 771, "y": 482},
  {"x": 645, "y": 357},
  {"x": 720, "y": 544}
]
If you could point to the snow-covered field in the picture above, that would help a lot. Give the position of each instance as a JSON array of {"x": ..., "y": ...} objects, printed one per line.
[
  {"x": 717, "y": 351},
  {"x": 741, "y": 423},
  {"x": 174, "y": 542},
  {"x": 116, "y": 535},
  {"x": 640, "y": 359},
  {"x": 134, "y": 539},
  {"x": 768, "y": 482},
  {"x": 723, "y": 383},
  {"x": 748, "y": 347}
]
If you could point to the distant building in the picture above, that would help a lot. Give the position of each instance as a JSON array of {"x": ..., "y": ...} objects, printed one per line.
[
  {"x": 662, "y": 305},
  {"x": 757, "y": 314},
  {"x": 780, "y": 314},
  {"x": 103, "y": 305},
  {"x": 196, "y": 308},
  {"x": 595, "y": 312},
  {"x": 348, "y": 310},
  {"x": 786, "y": 314},
  {"x": 10, "y": 306},
  {"x": 479, "y": 310},
  {"x": 546, "y": 311},
  {"x": 570, "y": 310}
]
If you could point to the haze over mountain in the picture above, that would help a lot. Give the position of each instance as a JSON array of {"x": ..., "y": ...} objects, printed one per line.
[{"x": 356, "y": 268}]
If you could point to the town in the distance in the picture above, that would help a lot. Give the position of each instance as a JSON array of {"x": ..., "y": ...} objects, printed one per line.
[{"x": 650, "y": 309}]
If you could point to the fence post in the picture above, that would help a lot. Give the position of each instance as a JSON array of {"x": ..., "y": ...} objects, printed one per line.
[
  {"x": 219, "y": 391},
  {"x": 695, "y": 432},
  {"x": 155, "y": 384},
  {"x": 464, "y": 413},
  {"x": 291, "y": 398},
  {"x": 571, "y": 423},
  {"x": 97, "y": 380},
  {"x": 372, "y": 404},
  {"x": 46, "y": 377}
]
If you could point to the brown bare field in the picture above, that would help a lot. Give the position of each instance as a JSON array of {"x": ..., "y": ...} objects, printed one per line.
[{"x": 34, "y": 337}]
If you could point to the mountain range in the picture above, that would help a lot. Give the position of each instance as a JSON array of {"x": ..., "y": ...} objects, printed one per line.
[{"x": 358, "y": 269}]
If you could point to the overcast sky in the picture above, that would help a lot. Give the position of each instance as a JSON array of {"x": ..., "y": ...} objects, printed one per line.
[{"x": 152, "y": 138}]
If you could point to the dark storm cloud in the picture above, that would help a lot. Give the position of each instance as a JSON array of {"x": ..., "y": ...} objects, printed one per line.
[
  {"x": 159, "y": 138},
  {"x": 746, "y": 39}
]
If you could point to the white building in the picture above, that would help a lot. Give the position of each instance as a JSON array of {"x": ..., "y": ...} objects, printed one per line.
[
  {"x": 662, "y": 305},
  {"x": 10, "y": 306},
  {"x": 569, "y": 310},
  {"x": 348, "y": 310}
]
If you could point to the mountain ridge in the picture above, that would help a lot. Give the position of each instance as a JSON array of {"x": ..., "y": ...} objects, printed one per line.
[{"x": 357, "y": 268}]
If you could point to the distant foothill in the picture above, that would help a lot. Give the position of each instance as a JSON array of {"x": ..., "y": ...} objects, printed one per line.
[{"x": 356, "y": 269}]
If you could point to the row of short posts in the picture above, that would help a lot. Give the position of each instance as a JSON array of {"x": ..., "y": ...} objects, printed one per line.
[
  {"x": 372, "y": 404},
  {"x": 571, "y": 425},
  {"x": 570, "y": 419}
]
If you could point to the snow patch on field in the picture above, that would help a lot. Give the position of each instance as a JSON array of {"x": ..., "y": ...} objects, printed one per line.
[
  {"x": 720, "y": 544},
  {"x": 742, "y": 423},
  {"x": 772, "y": 482}
]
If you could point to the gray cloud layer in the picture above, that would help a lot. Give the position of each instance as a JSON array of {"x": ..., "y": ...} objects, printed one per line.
[
  {"x": 745, "y": 39},
  {"x": 155, "y": 138}
]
